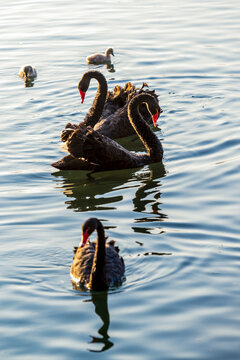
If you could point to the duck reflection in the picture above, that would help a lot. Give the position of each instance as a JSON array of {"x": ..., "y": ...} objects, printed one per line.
[
  {"x": 28, "y": 83},
  {"x": 95, "y": 191},
  {"x": 110, "y": 68},
  {"x": 100, "y": 302}
]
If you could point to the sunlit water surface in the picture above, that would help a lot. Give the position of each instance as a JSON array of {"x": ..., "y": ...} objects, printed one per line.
[{"x": 177, "y": 224}]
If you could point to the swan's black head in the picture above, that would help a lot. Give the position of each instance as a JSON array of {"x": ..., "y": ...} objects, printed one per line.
[
  {"x": 154, "y": 109},
  {"x": 109, "y": 51},
  {"x": 88, "y": 227},
  {"x": 83, "y": 84}
]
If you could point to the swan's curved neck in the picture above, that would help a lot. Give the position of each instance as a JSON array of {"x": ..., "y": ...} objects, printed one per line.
[
  {"x": 96, "y": 109},
  {"x": 97, "y": 279},
  {"x": 144, "y": 131}
]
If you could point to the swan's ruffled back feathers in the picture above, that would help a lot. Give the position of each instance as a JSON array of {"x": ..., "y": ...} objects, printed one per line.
[
  {"x": 116, "y": 99},
  {"x": 99, "y": 149},
  {"x": 114, "y": 122},
  {"x": 83, "y": 260}
]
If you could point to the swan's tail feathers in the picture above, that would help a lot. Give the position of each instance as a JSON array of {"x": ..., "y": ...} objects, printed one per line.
[
  {"x": 98, "y": 149},
  {"x": 120, "y": 95},
  {"x": 112, "y": 243},
  {"x": 75, "y": 248},
  {"x": 71, "y": 163},
  {"x": 143, "y": 86},
  {"x": 69, "y": 128},
  {"x": 76, "y": 142}
]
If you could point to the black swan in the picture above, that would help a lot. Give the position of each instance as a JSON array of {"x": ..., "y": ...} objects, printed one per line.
[
  {"x": 103, "y": 153},
  {"x": 96, "y": 265},
  {"x": 98, "y": 59},
  {"x": 109, "y": 111}
]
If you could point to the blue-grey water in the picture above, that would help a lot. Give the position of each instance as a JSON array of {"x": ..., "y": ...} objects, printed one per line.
[{"x": 177, "y": 224}]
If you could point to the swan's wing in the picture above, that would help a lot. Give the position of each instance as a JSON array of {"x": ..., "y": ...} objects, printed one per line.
[
  {"x": 96, "y": 59},
  {"x": 95, "y": 148},
  {"x": 69, "y": 128},
  {"x": 82, "y": 263},
  {"x": 115, "y": 267}
]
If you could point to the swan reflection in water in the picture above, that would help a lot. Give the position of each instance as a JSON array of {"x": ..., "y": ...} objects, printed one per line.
[
  {"x": 96, "y": 191},
  {"x": 100, "y": 302},
  {"x": 101, "y": 309}
]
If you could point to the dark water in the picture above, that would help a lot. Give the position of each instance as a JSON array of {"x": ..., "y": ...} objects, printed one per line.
[{"x": 177, "y": 224}]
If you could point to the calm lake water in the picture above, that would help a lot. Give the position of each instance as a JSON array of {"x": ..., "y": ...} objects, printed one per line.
[{"x": 176, "y": 223}]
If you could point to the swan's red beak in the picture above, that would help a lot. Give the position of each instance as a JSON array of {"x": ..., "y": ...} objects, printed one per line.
[
  {"x": 154, "y": 118},
  {"x": 84, "y": 238},
  {"x": 82, "y": 94}
]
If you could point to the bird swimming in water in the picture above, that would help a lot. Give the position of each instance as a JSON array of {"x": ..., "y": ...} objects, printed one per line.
[
  {"x": 98, "y": 59},
  {"x": 90, "y": 150},
  {"x": 28, "y": 72},
  {"x": 96, "y": 265}
]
